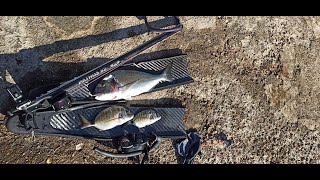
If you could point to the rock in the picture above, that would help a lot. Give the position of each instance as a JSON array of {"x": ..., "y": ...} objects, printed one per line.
[
  {"x": 1, "y": 117},
  {"x": 49, "y": 161},
  {"x": 79, "y": 146}
]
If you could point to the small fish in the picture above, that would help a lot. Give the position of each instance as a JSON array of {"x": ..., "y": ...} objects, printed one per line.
[
  {"x": 108, "y": 118},
  {"x": 146, "y": 118},
  {"x": 129, "y": 83}
]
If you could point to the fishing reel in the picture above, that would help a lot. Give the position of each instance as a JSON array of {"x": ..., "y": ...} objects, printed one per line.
[
  {"x": 132, "y": 143},
  {"x": 132, "y": 146}
]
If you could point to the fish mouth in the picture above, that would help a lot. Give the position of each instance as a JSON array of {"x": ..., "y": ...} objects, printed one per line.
[
  {"x": 130, "y": 115},
  {"x": 157, "y": 118}
]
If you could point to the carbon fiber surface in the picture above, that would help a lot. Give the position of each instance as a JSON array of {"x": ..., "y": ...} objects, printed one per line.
[
  {"x": 168, "y": 125},
  {"x": 179, "y": 72},
  {"x": 67, "y": 124}
]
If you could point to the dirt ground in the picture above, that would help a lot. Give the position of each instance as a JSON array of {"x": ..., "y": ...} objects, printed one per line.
[{"x": 256, "y": 79}]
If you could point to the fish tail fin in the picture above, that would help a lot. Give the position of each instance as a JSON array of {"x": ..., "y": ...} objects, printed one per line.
[
  {"x": 167, "y": 76},
  {"x": 84, "y": 122}
]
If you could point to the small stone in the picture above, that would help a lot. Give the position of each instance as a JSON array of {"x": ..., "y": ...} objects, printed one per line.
[
  {"x": 49, "y": 161},
  {"x": 79, "y": 146},
  {"x": 2, "y": 117}
]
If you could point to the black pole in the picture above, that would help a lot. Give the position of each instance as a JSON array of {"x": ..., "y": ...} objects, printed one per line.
[{"x": 103, "y": 69}]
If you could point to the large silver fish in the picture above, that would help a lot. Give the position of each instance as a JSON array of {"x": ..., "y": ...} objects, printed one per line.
[
  {"x": 107, "y": 85},
  {"x": 146, "y": 118},
  {"x": 124, "y": 84},
  {"x": 108, "y": 118}
]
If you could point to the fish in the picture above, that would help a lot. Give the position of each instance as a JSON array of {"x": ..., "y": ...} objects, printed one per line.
[
  {"x": 146, "y": 118},
  {"x": 126, "y": 84},
  {"x": 108, "y": 118},
  {"x": 108, "y": 84}
]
